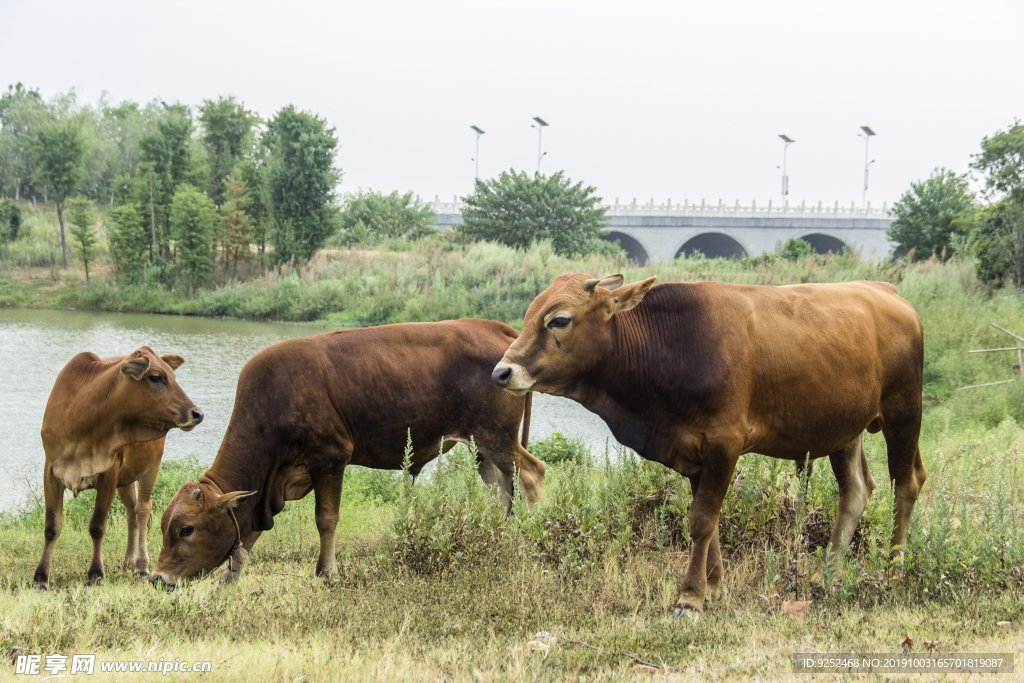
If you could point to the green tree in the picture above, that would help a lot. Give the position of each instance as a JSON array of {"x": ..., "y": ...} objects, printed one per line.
[
  {"x": 193, "y": 219},
  {"x": 517, "y": 209},
  {"x": 82, "y": 218},
  {"x": 301, "y": 178},
  {"x": 129, "y": 242},
  {"x": 167, "y": 152},
  {"x": 227, "y": 134},
  {"x": 370, "y": 216},
  {"x": 21, "y": 110},
  {"x": 235, "y": 225},
  {"x": 998, "y": 237},
  {"x": 931, "y": 213},
  {"x": 257, "y": 198},
  {"x": 59, "y": 148}
]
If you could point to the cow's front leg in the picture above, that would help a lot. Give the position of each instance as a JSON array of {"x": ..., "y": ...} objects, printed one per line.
[
  {"x": 142, "y": 513},
  {"x": 53, "y": 491},
  {"x": 705, "y": 566},
  {"x": 233, "y": 569},
  {"x": 129, "y": 497},
  {"x": 327, "y": 494},
  {"x": 106, "y": 487}
]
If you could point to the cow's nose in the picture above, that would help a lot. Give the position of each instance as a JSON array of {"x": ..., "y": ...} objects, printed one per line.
[
  {"x": 197, "y": 415},
  {"x": 158, "y": 581},
  {"x": 500, "y": 376}
]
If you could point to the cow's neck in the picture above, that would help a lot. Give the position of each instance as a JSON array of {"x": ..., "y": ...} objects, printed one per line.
[
  {"x": 91, "y": 425},
  {"x": 241, "y": 467},
  {"x": 642, "y": 385}
]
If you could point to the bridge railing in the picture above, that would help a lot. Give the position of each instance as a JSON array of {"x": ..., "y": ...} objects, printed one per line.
[{"x": 721, "y": 209}]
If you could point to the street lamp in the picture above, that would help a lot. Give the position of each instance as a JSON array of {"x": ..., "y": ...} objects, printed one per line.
[
  {"x": 786, "y": 142},
  {"x": 867, "y": 134},
  {"x": 541, "y": 124},
  {"x": 477, "y": 157}
]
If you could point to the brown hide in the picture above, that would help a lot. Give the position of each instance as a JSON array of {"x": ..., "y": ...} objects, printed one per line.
[
  {"x": 307, "y": 408},
  {"x": 104, "y": 429},
  {"x": 694, "y": 375}
]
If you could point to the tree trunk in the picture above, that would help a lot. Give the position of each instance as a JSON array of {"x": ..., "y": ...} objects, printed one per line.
[
  {"x": 63, "y": 242},
  {"x": 152, "y": 214},
  {"x": 33, "y": 189}
]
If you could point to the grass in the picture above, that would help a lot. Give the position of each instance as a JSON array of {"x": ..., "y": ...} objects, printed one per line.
[{"x": 434, "y": 583}]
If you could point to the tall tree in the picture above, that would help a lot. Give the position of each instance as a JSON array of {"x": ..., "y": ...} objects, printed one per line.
[
  {"x": 22, "y": 111},
  {"x": 930, "y": 213},
  {"x": 302, "y": 180},
  {"x": 517, "y": 209},
  {"x": 227, "y": 131},
  {"x": 193, "y": 219},
  {"x": 998, "y": 239},
  {"x": 59, "y": 146},
  {"x": 235, "y": 225},
  {"x": 129, "y": 242},
  {"x": 168, "y": 149},
  {"x": 82, "y": 218}
]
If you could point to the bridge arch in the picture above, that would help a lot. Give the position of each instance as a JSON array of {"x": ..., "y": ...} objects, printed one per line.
[
  {"x": 634, "y": 250},
  {"x": 713, "y": 245},
  {"x": 823, "y": 243}
]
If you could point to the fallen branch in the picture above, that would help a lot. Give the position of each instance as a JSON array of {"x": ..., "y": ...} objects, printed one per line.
[{"x": 623, "y": 654}]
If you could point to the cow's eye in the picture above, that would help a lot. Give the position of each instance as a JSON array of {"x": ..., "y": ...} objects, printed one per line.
[
  {"x": 156, "y": 379},
  {"x": 186, "y": 531},
  {"x": 559, "y": 322}
]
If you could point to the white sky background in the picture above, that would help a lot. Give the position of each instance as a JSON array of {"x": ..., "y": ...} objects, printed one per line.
[{"x": 679, "y": 100}]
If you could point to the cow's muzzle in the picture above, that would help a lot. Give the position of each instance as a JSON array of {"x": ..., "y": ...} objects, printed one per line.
[
  {"x": 196, "y": 416},
  {"x": 161, "y": 581},
  {"x": 512, "y": 377}
]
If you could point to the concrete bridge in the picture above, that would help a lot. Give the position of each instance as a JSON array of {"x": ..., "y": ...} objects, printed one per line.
[{"x": 662, "y": 232}]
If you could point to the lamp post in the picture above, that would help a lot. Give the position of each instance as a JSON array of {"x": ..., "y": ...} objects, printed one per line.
[
  {"x": 867, "y": 134},
  {"x": 477, "y": 157},
  {"x": 786, "y": 142},
  {"x": 541, "y": 124}
]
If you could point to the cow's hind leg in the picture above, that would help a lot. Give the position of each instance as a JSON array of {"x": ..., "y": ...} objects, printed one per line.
[
  {"x": 906, "y": 471},
  {"x": 106, "y": 485},
  {"x": 53, "y": 491},
  {"x": 850, "y": 466},
  {"x": 327, "y": 495},
  {"x": 129, "y": 497}
]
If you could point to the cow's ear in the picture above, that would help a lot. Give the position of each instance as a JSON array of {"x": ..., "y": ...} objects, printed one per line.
[
  {"x": 228, "y": 501},
  {"x": 174, "y": 360},
  {"x": 628, "y": 296},
  {"x": 608, "y": 282},
  {"x": 135, "y": 367}
]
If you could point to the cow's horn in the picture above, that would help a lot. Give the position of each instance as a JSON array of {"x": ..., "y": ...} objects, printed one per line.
[
  {"x": 590, "y": 284},
  {"x": 196, "y": 494}
]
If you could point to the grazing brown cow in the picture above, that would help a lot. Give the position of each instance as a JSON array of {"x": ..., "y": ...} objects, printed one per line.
[
  {"x": 104, "y": 429},
  {"x": 307, "y": 408},
  {"x": 700, "y": 373}
]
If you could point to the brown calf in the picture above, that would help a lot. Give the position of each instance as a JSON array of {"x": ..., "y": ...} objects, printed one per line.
[{"x": 104, "y": 429}]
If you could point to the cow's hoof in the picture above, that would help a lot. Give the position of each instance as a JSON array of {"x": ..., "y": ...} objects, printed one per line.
[
  {"x": 144, "y": 573},
  {"x": 42, "y": 585},
  {"x": 686, "y": 612},
  {"x": 94, "y": 581}
]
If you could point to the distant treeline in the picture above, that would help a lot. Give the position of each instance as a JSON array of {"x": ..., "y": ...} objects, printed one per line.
[{"x": 265, "y": 180}]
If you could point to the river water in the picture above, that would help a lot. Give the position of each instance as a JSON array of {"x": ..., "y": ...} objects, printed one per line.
[{"x": 35, "y": 345}]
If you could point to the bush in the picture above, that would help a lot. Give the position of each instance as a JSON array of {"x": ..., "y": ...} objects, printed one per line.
[
  {"x": 369, "y": 217},
  {"x": 558, "y": 448},
  {"x": 10, "y": 221}
]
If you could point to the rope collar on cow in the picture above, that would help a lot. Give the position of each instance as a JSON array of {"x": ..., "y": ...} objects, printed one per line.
[{"x": 238, "y": 529}]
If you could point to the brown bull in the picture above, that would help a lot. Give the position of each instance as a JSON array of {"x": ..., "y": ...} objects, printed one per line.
[
  {"x": 305, "y": 409},
  {"x": 104, "y": 429},
  {"x": 694, "y": 375}
]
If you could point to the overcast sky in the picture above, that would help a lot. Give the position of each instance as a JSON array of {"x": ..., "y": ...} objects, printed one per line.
[{"x": 680, "y": 100}]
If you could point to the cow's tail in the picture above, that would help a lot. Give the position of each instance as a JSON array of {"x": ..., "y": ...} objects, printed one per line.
[{"x": 526, "y": 419}]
